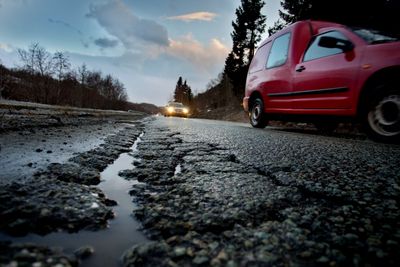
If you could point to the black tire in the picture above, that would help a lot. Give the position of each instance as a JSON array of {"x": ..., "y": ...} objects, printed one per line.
[
  {"x": 381, "y": 118},
  {"x": 257, "y": 115}
]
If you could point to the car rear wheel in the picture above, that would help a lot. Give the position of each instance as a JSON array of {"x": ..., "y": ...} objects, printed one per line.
[
  {"x": 382, "y": 119},
  {"x": 257, "y": 115}
]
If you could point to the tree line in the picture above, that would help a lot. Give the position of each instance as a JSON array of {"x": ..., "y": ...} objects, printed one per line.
[{"x": 48, "y": 78}]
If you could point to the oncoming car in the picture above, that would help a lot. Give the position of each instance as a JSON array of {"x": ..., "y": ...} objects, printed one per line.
[
  {"x": 326, "y": 73},
  {"x": 176, "y": 109}
]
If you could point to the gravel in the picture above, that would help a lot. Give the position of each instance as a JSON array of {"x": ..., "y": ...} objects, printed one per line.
[
  {"x": 33, "y": 255},
  {"x": 305, "y": 201}
]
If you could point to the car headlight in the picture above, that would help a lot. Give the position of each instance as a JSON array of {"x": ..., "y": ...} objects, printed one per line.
[
  {"x": 185, "y": 110},
  {"x": 170, "y": 109}
]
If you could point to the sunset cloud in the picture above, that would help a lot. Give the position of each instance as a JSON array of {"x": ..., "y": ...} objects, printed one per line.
[
  {"x": 6, "y": 47},
  {"x": 202, "y": 16},
  {"x": 201, "y": 56}
]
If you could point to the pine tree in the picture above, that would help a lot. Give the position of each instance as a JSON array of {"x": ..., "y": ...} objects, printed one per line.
[
  {"x": 183, "y": 93},
  {"x": 247, "y": 30},
  {"x": 178, "y": 94},
  {"x": 380, "y": 14},
  {"x": 295, "y": 10},
  {"x": 188, "y": 95},
  {"x": 278, "y": 25}
]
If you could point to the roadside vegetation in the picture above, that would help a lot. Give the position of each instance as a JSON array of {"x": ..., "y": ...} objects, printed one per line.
[{"x": 49, "y": 79}]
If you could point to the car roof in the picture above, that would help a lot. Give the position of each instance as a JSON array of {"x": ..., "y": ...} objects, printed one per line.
[{"x": 315, "y": 26}]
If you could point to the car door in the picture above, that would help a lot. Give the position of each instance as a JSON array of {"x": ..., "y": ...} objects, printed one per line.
[
  {"x": 324, "y": 78},
  {"x": 277, "y": 78}
]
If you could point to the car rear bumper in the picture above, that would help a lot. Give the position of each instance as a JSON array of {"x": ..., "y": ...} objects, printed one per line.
[{"x": 246, "y": 103}]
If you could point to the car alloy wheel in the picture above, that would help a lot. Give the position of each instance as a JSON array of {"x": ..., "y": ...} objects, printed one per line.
[
  {"x": 257, "y": 116},
  {"x": 384, "y": 117}
]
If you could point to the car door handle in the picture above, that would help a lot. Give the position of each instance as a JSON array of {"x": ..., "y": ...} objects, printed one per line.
[{"x": 300, "y": 69}]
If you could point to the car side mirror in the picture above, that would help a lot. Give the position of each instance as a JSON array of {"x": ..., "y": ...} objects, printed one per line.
[{"x": 332, "y": 42}]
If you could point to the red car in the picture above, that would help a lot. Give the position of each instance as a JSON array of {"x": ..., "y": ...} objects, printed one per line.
[{"x": 326, "y": 72}]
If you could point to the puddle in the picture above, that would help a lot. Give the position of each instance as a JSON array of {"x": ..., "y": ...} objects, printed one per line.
[{"x": 122, "y": 233}]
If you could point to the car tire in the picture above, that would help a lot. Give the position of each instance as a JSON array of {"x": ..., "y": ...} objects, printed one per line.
[
  {"x": 257, "y": 115},
  {"x": 381, "y": 118}
]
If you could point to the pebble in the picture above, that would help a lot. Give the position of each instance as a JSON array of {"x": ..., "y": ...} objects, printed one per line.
[{"x": 84, "y": 252}]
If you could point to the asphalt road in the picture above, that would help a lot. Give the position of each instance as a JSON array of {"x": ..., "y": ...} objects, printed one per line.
[
  {"x": 212, "y": 193},
  {"x": 265, "y": 197}
]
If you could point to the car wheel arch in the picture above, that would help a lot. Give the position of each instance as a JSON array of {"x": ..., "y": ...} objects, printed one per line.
[
  {"x": 254, "y": 95},
  {"x": 381, "y": 91},
  {"x": 372, "y": 83}
]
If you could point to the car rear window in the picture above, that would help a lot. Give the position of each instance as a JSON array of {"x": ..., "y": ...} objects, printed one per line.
[
  {"x": 279, "y": 51},
  {"x": 258, "y": 61}
]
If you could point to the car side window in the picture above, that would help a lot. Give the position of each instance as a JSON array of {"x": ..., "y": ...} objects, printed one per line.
[
  {"x": 315, "y": 51},
  {"x": 279, "y": 51},
  {"x": 259, "y": 59}
]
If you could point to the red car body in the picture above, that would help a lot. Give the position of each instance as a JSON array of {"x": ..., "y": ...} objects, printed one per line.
[{"x": 319, "y": 78}]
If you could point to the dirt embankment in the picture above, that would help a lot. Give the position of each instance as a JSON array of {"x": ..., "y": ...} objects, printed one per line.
[{"x": 229, "y": 113}]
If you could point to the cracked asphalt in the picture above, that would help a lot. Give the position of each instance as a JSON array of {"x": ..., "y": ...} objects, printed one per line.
[
  {"x": 250, "y": 197},
  {"x": 212, "y": 193}
]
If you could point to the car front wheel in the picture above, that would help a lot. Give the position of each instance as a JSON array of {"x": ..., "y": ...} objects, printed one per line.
[
  {"x": 382, "y": 120},
  {"x": 257, "y": 115}
]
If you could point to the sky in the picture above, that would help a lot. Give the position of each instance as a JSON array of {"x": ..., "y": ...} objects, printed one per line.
[{"x": 146, "y": 44}]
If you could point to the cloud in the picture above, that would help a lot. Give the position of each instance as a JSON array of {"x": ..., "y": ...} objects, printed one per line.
[
  {"x": 118, "y": 20},
  {"x": 71, "y": 27},
  {"x": 203, "y": 57},
  {"x": 106, "y": 43},
  {"x": 6, "y": 48},
  {"x": 203, "y": 16},
  {"x": 65, "y": 24}
]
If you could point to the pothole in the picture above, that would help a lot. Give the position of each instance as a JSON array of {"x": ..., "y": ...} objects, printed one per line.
[{"x": 122, "y": 231}]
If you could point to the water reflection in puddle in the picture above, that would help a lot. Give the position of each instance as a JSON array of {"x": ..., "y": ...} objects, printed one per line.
[{"x": 122, "y": 233}]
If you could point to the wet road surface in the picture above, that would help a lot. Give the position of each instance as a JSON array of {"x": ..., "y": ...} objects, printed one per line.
[
  {"x": 247, "y": 196},
  {"x": 211, "y": 193}
]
